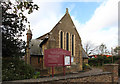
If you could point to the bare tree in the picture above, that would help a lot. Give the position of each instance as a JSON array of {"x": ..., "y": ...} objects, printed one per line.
[
  {"x": 102, "y": 49},
  {"x": 89, "y": 48}
]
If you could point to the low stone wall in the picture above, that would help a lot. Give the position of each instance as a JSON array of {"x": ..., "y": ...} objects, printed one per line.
[
  {"x": 109, "y": 76},
  {"x": 80, "y": 78},
  {"x": 94, "y": 78},
  {"x": 113, "y": 68}
]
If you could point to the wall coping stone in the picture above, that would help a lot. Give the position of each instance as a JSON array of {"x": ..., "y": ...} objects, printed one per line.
[
  {"x": 56, "y": 78},
  {"x": 112, "y": 64}
]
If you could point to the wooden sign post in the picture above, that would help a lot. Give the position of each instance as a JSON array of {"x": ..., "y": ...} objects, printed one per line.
[{"x": 57, "y": 57}]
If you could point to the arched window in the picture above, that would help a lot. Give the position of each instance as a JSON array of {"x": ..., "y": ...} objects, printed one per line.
[
  {"x": 67, "y": 41},
  {"x": 61, "y": 39},
  {"x": 72, "y": 44}
]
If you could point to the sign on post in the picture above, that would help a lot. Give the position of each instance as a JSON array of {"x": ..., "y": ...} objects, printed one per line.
[{"x": 57, "y": 57}]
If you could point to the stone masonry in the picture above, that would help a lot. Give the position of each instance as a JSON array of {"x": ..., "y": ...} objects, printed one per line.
[{"x": 112, "y": 68}]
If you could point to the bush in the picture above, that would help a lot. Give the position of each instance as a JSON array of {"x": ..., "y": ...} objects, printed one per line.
[
  {"x": 92, "y": 62},
  {"x": 36, "y": 75},
  {"x": 15, "y": 69},
  {"x": 100, "y": 60}
]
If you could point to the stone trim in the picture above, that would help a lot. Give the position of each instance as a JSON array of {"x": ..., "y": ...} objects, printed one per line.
[
  {"x": 74, "y": 45},
  {"x": 60, "y": 39},
  {"x": 70, "y": 78}
]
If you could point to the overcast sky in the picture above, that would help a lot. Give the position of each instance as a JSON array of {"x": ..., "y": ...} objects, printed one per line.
[{"x": 95, "y": 20}]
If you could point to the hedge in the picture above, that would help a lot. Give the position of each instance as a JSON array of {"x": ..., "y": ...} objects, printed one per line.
[{"x": 100, "y": 60}]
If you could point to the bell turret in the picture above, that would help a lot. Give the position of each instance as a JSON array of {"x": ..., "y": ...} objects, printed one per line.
[{"x": 29, "y": 35}]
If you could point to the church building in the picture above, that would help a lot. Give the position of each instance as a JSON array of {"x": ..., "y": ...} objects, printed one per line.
[{"x": 64, "y": 35}]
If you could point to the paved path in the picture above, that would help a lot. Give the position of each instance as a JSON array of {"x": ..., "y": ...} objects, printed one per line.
[{"x": 94, "y": 70}]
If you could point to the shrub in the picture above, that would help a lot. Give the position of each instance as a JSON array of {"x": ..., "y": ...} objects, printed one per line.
[
  {"x": 36, "y": 75},
  {"x": 100, "y": 60},
  {"x": 15, "y": 69},
  {"x": 92, "y": 62}
]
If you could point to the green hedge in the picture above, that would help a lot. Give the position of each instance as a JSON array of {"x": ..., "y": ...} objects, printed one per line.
[
  {"x": 100, "y": 60},
  {"x": 15, "y": 69}
]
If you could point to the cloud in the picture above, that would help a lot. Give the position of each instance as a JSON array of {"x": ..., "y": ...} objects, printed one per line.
[
  {"x": 44, "y": 20},
  {"x": 103, "y": 26}
]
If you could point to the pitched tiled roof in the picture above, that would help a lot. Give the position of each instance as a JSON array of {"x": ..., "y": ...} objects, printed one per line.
[
  {"x": 43, "y": 36},
  {"x": 84, "y": 54},
  {"x": 35, "y": 48}
]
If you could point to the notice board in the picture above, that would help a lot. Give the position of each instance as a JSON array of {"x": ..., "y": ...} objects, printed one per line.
[{"x": 57, "y": 57}]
